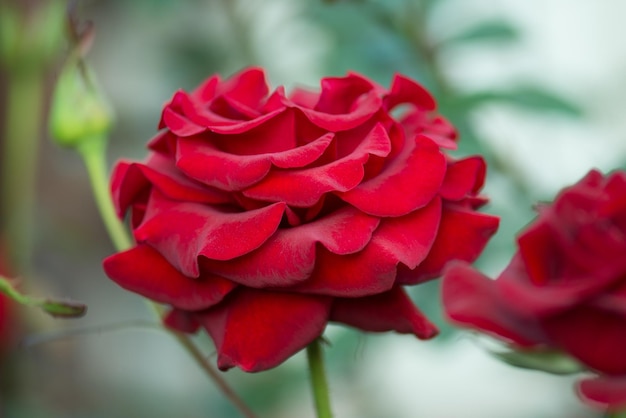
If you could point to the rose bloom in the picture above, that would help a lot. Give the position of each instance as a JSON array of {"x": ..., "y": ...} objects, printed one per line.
[
  {"x": 565, "y": 288},
  {"x": 7, "y": 315},
  {"x": 261, "y": 217}
]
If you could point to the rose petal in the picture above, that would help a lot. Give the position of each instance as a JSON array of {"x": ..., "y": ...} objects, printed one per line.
[
  {"x": 288, "y": 257},
  {"x": 405, "y": 90},
  {"x": 463, "y": 177},
  {"x": 367, "y": 272},
  {"x": 247, "y": 87},
  {"x": 389, "y": 311},
  {"x": 184, "y": 118},
  {"x": 397, "y": 240},
  {"x": 593, "y": 336},
  {"x": 203, "y": 161},
  {"x": 462, "y": 235},
  {"x": 124, "y": 188},
  {"x": 538, "y": 300},
  {"x": 407, "y": 183},
  {"x": 344, "y": 103},
  {"x": 604, "y": 392},
  {"x": 130, "y": 180},
  {"x": 143, "y": 270},
  {"x": 180, "y": 125},
  {"x": 471, "y": 300},
  {"x": 182, "y": 231},
  {"x": 181, "y": 321},
  {"x": 410, "y": 237},
  {"x": 303, "y": 188},
  {"x": 257, "y": 330},
  {"x": 206, "y": 91}
]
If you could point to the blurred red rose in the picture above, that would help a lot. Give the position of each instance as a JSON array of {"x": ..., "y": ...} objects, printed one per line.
[
  {"x": 260, "y": 217},
  {"x": 565, "y": 288},
  {"x": 7, "y": 326}
]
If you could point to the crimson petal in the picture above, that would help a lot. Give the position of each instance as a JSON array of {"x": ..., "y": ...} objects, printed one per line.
[
  {"x": 143, "y": 270},
  {"x": 593, "y": 336},
  {"x": 288, "y": 257},
  {"x": 257, "y": 330},
  {"x": 604, "y": 392},
  {"x": 405, "y": 90},
  {"x": 303, "y": 188},
  {"x": 389, "y": 311},
  {"x": 182, "y": 231},
  {"x": 204, "y": 162},
  {"x": 408, "y": 182},
  {"x": 471, "y": 299},
  {"x": 181, "y": 321},
  {"x": 373, "y": 270},
  {"x": 462, "y": 235},
  {"x": 463, "y": 177},
  {"x": 344, "y": 103}
]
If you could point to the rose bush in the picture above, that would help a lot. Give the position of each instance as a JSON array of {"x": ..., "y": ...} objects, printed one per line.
[
  {"x": 260, "y": 217},
  {"x": 565, "y": 288}
]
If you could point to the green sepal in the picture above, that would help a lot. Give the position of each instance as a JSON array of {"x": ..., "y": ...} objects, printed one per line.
[{"x": 547, "y": 360}]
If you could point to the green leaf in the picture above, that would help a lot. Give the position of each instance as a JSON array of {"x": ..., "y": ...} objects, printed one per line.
[
  {"x": 489, "y": 31},
  {"x": 56, "y": 308},
  {"x": 550, "y": 361},
  {"x": 530, "y": 97}
]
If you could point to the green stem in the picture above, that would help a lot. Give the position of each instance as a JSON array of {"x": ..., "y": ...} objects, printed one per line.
[
  {"x": 93, "y": 152},
  {"x": 318, "y": 379},
  {"x": 186, "y": 342},
  {"x": 19, "y": 164},
  {"x": 94, "y": 155},
  {"x": 616, "y": 414}
]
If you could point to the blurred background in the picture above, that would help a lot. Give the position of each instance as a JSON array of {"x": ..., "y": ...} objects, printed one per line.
[{"x": 537, "y": 87}]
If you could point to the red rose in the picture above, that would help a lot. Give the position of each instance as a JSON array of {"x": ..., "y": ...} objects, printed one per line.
[
  {"x": 260, "y": 217},
  {"x": 7, "y": 316},
  {"x": 565, "y": 288}
]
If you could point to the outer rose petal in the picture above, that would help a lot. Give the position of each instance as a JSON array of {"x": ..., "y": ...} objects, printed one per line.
[
  {"x": 405, "y": 240},
  {"x": 407, "y": 183},
  {"x": 257, "y": 330},
  {"x": 389, "y": 311},
  {"x": 131, "y": 180},
  {"x": 182, "y": 231},
  {"x": 463, "y": 177},
  {"x": 605, "y": 391},
  {"x": 143, "y": 270},
  {"x": 462, "y": 236},
  {"x": 405, "y": 90},
  {"x": 595, "y": 337},
  {"x": 540, "y": 300},
  {"x": 182, "y": 321},
  {"x": 471, "y": 300},
  {"x": 288, "y": 256}
]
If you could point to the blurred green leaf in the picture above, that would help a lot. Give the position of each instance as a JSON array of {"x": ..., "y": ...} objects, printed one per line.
[
  {"x": 550, "y": 361},
  {"x": 489, "y": 31},
  {"x": 56, "y": 308},
  {"x": 529, "y": 97}
]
